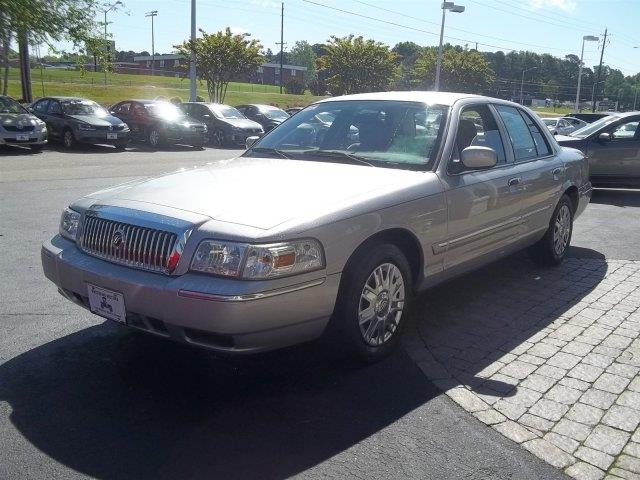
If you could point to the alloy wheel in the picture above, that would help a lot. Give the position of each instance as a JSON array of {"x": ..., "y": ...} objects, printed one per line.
[
  {"x": 381, "y": 304},
  {"x": 68, "y": 139},
  {"x": 219, "y": 138},
  {"x": 562, "y": 230},
  {"x": 154, "y": 138}
]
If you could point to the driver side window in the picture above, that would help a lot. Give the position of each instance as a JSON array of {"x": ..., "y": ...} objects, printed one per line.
[
  {"x": 477, "y": 127},
  {"x": 626, "y": 131},
  {"x": 55, "y": 107}
]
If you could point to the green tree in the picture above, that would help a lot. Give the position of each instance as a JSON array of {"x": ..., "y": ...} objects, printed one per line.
[
  {"x": 222, "y": 57},
  {"x": 302, "y": 54},
  {"x": 355, "y": 65},
  {"x": 462, "y": 71},
  {"x": 47, "y": 22}
]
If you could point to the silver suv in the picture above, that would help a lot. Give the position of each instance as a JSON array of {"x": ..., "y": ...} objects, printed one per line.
[{"x": 323, "y": 229}]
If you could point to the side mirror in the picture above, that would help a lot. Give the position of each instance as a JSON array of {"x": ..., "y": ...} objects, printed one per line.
[
  {"x": 604, "y": 137},
  {"x": 478, "y": 158},
  {"x": 250, "y": 141}
]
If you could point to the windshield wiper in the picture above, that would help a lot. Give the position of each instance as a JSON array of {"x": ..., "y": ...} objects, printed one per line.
[
  {"x": 271, "y": 150},
  {"x": 349, "y": 157}
]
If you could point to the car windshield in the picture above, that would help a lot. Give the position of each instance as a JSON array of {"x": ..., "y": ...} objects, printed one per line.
[
  {"x": 382, "y": 133},
  {"x": 550, "y": 122},
  {"x": 83, "y": 107},
  {"x": 224, "y": 111},
  {"x": 9, "y": 105},
  {"x": 593, "y": 127},
  {"x": 165, "y": 110},
  {"x": 274, "y": 113}
]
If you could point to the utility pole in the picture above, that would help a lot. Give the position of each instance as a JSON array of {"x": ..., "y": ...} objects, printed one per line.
[
  {"x": 635, "y": 98},
  {"x": 454, "y": 8},
  {"x": 595, "y": 90},
  {"x": 192, "y": 59},
  {"x": 106, "y": 45},
  {"x": 586, "y": 38},
  {"x": 281, "y": 40},
  {"x": 152, "y": 14}
]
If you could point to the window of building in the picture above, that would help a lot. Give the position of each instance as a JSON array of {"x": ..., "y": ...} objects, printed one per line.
[
  {"x": 161, "y": 63},
  {"x": 293, "y": 72}
]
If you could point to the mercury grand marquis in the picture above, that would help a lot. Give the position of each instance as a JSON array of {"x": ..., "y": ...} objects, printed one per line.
[{"x": 323, "y": 230}]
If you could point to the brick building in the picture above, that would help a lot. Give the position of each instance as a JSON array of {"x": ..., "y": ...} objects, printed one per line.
[{"x": 176, "y": 65}]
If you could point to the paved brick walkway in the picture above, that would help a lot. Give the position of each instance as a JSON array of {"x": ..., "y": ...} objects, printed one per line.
[{"x": 548, "y": 357}]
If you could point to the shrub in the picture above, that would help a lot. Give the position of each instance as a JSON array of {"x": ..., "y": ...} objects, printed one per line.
[
  {"x": 294, "y": 87},
  {"x": 318, "y": 87}
]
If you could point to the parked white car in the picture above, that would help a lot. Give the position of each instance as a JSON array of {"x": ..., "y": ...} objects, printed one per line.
[{"x": 563, "y": 125}]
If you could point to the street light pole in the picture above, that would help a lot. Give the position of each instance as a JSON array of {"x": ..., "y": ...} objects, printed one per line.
[
  {"x": 152, "y": 14},
  {"x": 522, "y": 83},
  {"x": 192, "y": 60},
  {"x": 456, "y": 9},
  {"x": 106, "y": 46},
  {"x": 587, "y": 38}
]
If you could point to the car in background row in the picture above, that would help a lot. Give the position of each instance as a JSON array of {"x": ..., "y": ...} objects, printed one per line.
[
  {"x": 563, "y": 125},
  {"x": 590, "y": 117},
  {"x": 266, "y": 115},
  {"x": 19, "y": 127},
  {"x": 293, "y": 110},
  {"x": 160, "y": 123},
  {"x": 74, "y": 120},
  {"x": 612, "y": 145},
  {"x": 225, "y": 124}
]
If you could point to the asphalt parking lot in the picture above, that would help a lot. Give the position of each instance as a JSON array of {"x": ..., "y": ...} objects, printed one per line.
[{"x": 83, "y": 398}]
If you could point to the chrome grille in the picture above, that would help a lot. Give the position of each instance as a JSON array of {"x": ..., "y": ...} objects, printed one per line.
[{"x": 126, "y": 244}]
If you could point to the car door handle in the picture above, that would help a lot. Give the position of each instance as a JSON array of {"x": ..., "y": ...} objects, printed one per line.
[
  {"x": 514, "y": 181},
  {"x": 557, "y": 171}
]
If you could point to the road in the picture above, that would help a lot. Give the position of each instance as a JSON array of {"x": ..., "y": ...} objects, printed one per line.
[{"x": 83, "y": 398}]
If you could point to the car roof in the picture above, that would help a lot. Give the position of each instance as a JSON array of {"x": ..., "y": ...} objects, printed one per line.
[
  {"x": 79, "y": 99},
  {"x": 430, "y": 97}
]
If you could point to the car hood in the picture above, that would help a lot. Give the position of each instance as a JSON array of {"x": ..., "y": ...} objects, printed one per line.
[
  {"x": 18, "y": 119},
  {"x": 243, "y": 123},
  {"x": 264, "y": 192},
  {"x": 104, "y": 121}
]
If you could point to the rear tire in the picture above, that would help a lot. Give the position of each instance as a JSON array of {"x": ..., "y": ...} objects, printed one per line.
[
  {"x": 552, "y": 248},
  {"x": 372, "y": 303}
]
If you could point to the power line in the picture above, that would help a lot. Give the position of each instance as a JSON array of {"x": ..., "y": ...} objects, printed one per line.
[{"x": 459, "y": 29}]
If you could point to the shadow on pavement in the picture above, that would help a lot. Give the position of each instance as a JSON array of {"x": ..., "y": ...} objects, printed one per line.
[
  {"x": 470, "y": 323},
  {"x": 115, "y": 404},
  {"x": 616, "y": 197}
]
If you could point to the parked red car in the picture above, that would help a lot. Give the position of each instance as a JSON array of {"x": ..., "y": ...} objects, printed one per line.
[{"x": 159, "y": 123}]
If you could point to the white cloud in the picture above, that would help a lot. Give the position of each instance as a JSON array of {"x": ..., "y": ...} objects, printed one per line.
[
  {"x": 238, "y": 30},
  {"x": 265, "y": 3},
  {"x": 565, "y": 5}
]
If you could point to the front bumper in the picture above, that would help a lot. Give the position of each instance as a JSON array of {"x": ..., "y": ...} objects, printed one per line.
[
  {"x": 100, "y": 136},
  {"x": 18, "y": 138},
  {"x": 220, "y": 314},
  {"x": 191, "y": 137}
]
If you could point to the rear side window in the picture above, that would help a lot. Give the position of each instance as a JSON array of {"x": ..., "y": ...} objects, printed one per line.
[
  {"x": 539, "y": 139},
  {"x": 524, "y": 147},
  {"x": 55, "y": 107}
]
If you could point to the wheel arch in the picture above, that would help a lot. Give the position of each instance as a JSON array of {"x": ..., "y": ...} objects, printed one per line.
[{"x": 402, "y": 238}]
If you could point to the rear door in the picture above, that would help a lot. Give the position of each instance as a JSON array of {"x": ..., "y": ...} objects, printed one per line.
[
  {"x": 483, "y": 207},
  {"x": 619, "y": 157},
  {"x": 539, "y": 173}
]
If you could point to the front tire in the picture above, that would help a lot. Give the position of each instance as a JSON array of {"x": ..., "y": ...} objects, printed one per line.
[
  {"x": 372, "y": 303},
  {"x": 218, "y": 138},
  {"x": 552, "y": 248},
  {"x": 154, "y": 137},
  {"x": 68, "y": 139}
]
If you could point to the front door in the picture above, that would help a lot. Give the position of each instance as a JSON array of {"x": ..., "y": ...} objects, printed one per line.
[
  {"x": 618, "y": 157},
  {"x": 55, "y": 119},
  {"x": 483, "y": 205}
]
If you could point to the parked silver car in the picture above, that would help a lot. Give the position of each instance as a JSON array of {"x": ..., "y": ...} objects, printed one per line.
[
  {"x": 19, "y": 127},
  {"x": 290, "y": 241},
  {"x": 563, "y": 125}
]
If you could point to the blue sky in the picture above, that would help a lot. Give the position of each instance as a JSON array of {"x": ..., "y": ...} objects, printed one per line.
[{"x": 551, "y": 26}]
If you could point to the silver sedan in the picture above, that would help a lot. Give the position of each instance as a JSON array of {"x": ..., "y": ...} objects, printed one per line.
[
  {"x": 332, "y": 235},
  {"x": 19, "y": 127}
]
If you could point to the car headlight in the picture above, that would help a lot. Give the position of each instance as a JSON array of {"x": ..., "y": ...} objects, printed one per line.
[
  {"x": 85, "y": 126},
  {"x": 258, "y": 262},
  {"x": 204, "y": 128},
  {"x": 69, "y": 222}
]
